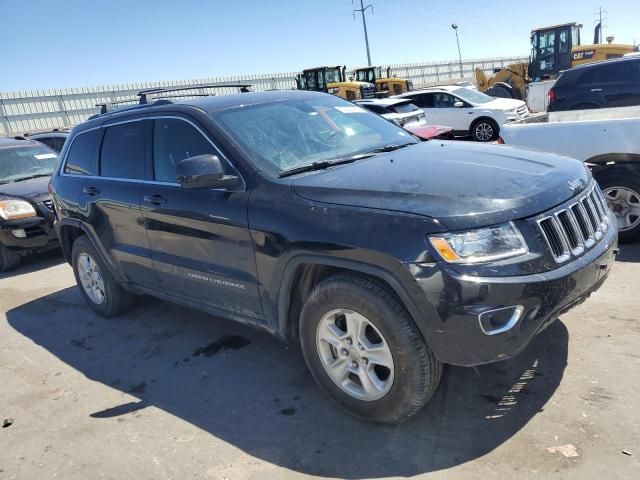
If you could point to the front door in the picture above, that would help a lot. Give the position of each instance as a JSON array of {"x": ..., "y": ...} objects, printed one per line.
[
  {"x": 202, "y": 249},
  {"x": 447, "y": 114}
]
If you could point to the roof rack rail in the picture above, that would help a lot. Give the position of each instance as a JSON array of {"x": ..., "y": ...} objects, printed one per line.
[
  {"x": 144, "y": 94},
  {"x": 106, "y": 107}
]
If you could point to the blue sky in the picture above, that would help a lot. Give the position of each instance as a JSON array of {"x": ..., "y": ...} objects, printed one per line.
[{"x": 73, "y": 43}]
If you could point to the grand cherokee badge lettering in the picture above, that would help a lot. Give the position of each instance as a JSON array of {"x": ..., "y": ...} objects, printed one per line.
[{"x": 575, "y": 185}]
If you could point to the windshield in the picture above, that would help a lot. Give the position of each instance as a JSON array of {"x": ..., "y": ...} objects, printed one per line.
[
  {"x": 369, "y": 74},
  {"x": 472, "y": 96},
  {"x": 25, "y": 161},
  {"x": 292, "y": 133}
]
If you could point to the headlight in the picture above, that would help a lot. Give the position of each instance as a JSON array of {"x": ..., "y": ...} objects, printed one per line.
[
  {"x": 15, "y": 209},
  {"x": 481, "y": 245}
]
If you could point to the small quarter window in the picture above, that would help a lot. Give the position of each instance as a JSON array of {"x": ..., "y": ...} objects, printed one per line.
[
  {"x": 123, "y": 151},
  {"x": 82, "y": 158}
]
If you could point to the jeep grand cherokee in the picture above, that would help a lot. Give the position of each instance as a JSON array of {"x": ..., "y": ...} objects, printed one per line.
[{"x": 308, "y": 216}]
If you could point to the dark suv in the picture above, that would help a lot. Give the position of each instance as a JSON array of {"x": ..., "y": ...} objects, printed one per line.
[
  {"x": 610, "y": 83},
  {"x": 26, "y": 208},
  {"x": 310, "y": 217}
]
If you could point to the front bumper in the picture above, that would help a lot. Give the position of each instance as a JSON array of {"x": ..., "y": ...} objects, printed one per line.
[
  {"x": 39, "y": 235},
  {"x": 455, "y": 303}
]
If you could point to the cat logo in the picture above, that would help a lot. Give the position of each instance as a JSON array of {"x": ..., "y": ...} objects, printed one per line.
[{"x": 585, "y": 55}]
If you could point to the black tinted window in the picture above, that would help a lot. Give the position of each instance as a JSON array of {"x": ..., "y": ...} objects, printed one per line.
[
  {"x": 123, "y": 151},
  {"x": 618, "y": 72},
  {"x": 423, "y": 100},
  {"x": 173, "y": 141},
  {"x": 82, "y": 158},
  {"x": 376, "y": 108},
  {"x": 404, "y": 108}
]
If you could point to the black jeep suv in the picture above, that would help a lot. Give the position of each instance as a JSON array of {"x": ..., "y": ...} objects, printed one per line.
[
  {"x": 26, "y": 209},
  {"x": 321, "y": 222}
]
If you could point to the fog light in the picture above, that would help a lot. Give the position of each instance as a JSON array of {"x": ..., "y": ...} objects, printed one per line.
[
  {"x": 499, "y": 320},
  {"x": 19, "y": 233}
]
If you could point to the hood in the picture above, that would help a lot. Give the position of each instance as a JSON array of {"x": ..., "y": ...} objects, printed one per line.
[
  {"x": 35, "y": 189},
  {"x": 463, "y": 185},
  {"x": 503, "y": 104},
  {"x": 426, "y": 131}
]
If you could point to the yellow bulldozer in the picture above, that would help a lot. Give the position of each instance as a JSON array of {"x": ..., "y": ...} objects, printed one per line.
[
  {"x": 386, "y": 84},
  {"x": 331, "y": 79},
  {"x": 553, "y": 49}
]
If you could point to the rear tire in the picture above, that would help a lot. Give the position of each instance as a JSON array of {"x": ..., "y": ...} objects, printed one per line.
[
  {"x": 485, "y": 130},
  {"x": 8, "y": 259},
  {"x": 498, "y": 91},
  {"x": 97, "y": 286},
  {"x": 622, "y": 193},
  {"x": 381, "y": 368}
]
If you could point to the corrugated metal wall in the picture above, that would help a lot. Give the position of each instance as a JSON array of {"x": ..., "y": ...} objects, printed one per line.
[{"x": 38, "y": 110}]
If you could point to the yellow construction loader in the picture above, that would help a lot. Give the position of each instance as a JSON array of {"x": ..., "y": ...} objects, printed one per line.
[
  {"x": 553, "y": 49},
  {"x": 332, "y": 80},
  {"x": 386, "y": 84}
]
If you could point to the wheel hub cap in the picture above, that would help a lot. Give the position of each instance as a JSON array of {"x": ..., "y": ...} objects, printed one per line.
[
  {"x": 625, "y": 204},
  {"x": 355, "y": 355}
]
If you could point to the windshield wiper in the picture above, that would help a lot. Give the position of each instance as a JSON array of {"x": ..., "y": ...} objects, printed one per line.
[
  {"x": 32, "y": 176},
  {"x": 388, "y": 148},
  {"x": 322, "y": 164}
]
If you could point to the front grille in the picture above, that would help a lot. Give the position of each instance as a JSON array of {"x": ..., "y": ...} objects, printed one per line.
[
  {"x": 572, "y": 230},
  {"x": 368, "y": 92},
  {"x": 523, "y": 110},
  {"x": 48, "y": 204},
  {"x": 33, "y": 232}
]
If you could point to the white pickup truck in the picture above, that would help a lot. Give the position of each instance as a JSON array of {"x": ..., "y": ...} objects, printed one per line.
[{"x": 607, "y": 140}]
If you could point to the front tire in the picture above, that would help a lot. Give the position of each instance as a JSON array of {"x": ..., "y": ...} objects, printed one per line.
[
  {"x": 97, "y": 286},
  {"x": 364, "y": 350},
  {"x": 622, "y": 193},
  {"x": 485, "y": 130},
  {"x": 8, "y": 259}
]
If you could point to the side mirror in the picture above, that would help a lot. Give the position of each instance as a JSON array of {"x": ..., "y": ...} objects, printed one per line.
[
  {"x": 458, "y": 104},
  {"x": 204, "y": 171}
]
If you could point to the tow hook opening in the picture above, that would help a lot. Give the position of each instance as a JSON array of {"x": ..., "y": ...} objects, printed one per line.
[{"x": 500, "y": 320}]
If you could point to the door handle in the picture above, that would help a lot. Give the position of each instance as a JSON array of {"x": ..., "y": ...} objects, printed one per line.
[
  {"x": 596, "y": 89},
  {"x": 91, "y": 191},
  {"x": 155, "y": 199}
]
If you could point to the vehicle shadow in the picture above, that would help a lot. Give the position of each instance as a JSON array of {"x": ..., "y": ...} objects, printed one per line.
[
  {"x": 629, "y": 252},
  {"x": 248, "y": 389},
  {"x": 35, "y": 262}
]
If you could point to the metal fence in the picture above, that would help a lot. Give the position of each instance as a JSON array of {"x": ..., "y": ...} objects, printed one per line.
[{"x": 40, "y": 110}]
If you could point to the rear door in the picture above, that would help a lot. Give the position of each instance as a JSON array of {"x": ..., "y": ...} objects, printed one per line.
[
  {"x": 110, "y": 199},
  {"x": 622, "y": 86},
  {"x": 202, "y": 249}
]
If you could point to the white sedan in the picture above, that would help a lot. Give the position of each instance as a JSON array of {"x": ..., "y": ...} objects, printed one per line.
[{"x": 467, "y": 111}]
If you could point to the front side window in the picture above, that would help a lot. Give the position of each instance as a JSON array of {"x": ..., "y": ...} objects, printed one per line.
[
  {"x": 293, "y": 133},
  {"x": 173, "y": 141},
  {"x": 444, "y": 100},
  {"x": 82, "y": 158},
  {"x": 123, "y": 151},
  {"x": 22, "y": 162}
]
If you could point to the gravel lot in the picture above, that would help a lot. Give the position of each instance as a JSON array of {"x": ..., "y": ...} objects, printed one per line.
[{"x": 166, "y": 392}]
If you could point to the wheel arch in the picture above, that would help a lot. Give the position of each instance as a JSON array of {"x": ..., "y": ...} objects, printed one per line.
[
  {"x": 69, "y": 230},
  {"x": 304, "y": 272}
]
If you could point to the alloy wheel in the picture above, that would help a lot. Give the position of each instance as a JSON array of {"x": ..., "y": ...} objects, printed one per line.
[
  {"x": 484, "y": 131},
  {"x": 91, "y": 278},
  {"x": 355, "y": 355}
]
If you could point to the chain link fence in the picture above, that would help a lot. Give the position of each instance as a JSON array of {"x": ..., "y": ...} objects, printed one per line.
[{"x": 41, "y": 110}]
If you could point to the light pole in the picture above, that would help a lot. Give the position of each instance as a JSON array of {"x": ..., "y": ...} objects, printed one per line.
[
  {"x": 455, "y": 28},
  {"x": 362, "y": 10}
]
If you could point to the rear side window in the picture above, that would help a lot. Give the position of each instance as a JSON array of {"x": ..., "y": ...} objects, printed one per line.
[
  {"x": 82, "y": 158},
  {"x": 173, "y": 141},
  {"x": 404, "y": 108},
  {"x": 123, "y": 151},
  {"x": 380, "y": 110}
]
